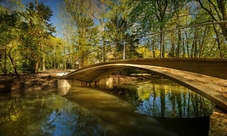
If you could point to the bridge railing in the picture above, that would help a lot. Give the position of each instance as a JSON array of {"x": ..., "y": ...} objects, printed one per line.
[
  {"x": 199, "y": 40},
  {"x": 203, "y": 40}
]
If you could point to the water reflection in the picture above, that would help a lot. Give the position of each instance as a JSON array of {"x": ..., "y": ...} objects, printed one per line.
[
  {"x": 48, "y": 115},
  {"x": 164, "y": 98},
  {"x": 63, "y": 90}
]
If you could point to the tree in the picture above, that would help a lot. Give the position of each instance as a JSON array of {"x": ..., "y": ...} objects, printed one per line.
[
  {"x": 218, "y": 12},
  {"x": 54, "y": 52},
  {"x": 120, "y": 31},
  {"x": 8, "y": 34},
  {"x": 36, "y": 29},
  {"x": 154, "y": 14},
  {"x": 9, "y": 20},
  {"x": 86, "y": 31}
]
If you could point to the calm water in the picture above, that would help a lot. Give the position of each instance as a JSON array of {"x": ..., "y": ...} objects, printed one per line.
[
  {"x": 154, "y": 108},
  {"x": 164, "y": 98}
]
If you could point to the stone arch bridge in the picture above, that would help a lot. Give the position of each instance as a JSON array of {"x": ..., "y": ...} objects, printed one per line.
[{"x": 207, "y": 77}]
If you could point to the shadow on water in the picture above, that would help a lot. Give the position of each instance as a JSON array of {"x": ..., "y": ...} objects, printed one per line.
[
  {"x": 118, "y": 114},
  {"x": 187, "y": 126}
]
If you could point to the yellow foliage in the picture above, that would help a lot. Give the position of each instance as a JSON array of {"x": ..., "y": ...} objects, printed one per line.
[
  {"x": 144, "y": 51},
  {"x": 14, "y": 117},
  {"x": 144, "y": 91}
]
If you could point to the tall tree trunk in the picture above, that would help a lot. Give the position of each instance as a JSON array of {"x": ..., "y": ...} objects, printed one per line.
[
  {"x": 194, "y": 45},
  {"x": 178, "y": 44},
  {"x": 187, "y": 44},
  {"x": 172, "y": 49},
  {"x": 196, "y": 49},
  {"x": 153, "y": 48},
  {"x": 162, "y": 47},
  {"x": 183, "y": 49},
  {"x": 201, "y": 45}
]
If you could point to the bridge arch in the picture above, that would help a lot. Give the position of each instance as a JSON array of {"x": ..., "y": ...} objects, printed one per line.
[{"x": 187, "y": 72}]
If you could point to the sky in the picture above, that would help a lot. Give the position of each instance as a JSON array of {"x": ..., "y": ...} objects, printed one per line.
[{"x": 54, "y": 6}]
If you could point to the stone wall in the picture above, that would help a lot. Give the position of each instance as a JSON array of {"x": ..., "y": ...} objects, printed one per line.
[{"x": 218, "y": 123}]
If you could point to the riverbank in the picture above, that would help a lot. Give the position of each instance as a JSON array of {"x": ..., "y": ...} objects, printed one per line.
[
  {"x": 47, "y": 80},
  {"x": 41, "y": 80}
]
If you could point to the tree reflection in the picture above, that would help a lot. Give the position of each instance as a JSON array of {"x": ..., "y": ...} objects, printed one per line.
[
  {"x": 164, "y": 98},
  {"x": 175, "y": 101},
  {"x": 49, "y": 115}
]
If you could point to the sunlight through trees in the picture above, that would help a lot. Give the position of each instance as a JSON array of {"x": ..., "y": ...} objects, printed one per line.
[{"x": 94, "y": 31}]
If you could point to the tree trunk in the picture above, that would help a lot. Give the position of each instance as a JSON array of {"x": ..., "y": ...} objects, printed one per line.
[
  {"x": 183, "y": 49},
  {"x": 14, "y": 65},
  {"x": 201, "y": 45},
  {"x": 172, "y": 50},
  {"x": 179, "y": 44},
  {"x": 104, "y": 50},
  {"x": 187, "y": 44},
  {"x": 43, "y": 62},
  {"x": 162, "y": 48},
  {"x": 154, "y": 54},
  {"x": 5, "y": 61},
  {"x": 219, "y": 15},
  {"x": 36, "y": 67}
]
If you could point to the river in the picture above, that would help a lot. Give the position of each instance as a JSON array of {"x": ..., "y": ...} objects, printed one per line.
[{"x": 157, "y": 107}]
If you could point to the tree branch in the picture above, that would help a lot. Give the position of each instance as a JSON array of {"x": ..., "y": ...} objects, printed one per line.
[
  {"x": 200, "y": 3},
  {"x": 215, "y": 8}
]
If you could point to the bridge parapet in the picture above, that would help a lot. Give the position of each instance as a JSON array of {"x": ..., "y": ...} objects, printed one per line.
[{"x": 206, "y": 66}]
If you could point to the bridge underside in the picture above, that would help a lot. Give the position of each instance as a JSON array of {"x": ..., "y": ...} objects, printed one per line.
[{"x": 210, "y": 82}]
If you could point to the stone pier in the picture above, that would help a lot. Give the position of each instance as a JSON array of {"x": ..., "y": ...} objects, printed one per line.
[{"x": 63, "y": 83}]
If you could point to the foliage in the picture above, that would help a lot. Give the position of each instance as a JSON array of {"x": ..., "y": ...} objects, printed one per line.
[
  {"x": 36, "y": 29},
  {"x": 24, "y": 35},
  {"x": 120, "y": 32},
  {"x": 155, "y": 15},
  {"x": 85, "y": 38},
  {"x": 93, "y": 31}
]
